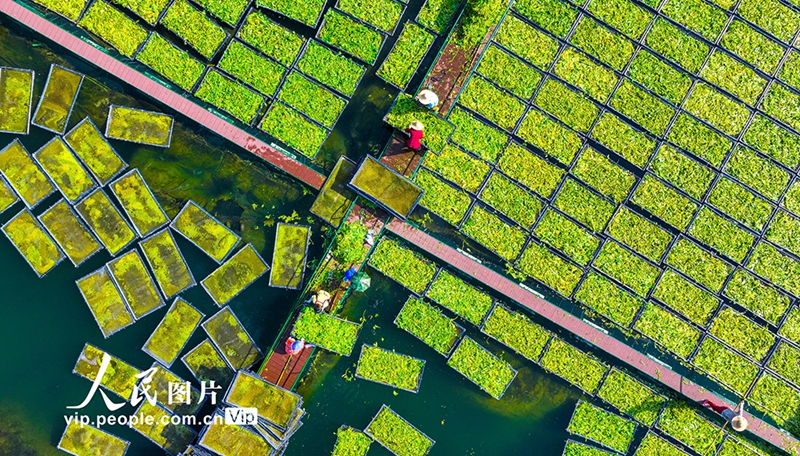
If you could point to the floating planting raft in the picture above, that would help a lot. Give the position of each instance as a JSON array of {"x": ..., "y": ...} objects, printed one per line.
[
  {"x": 230, "y": 439},
  {"x": 167, "y": 263},
  {"x": 120, "y": 376},
  {"x": 105, "y": 301},
  {"x": 398, "y": 435},
  {"x": 58, "y": 99},
  {"x": 382, "y": 185},
  {"x": 232, "y": 97},
  {"x": 406, "y": 56},
  {"x": 294, "y": 129},
  {"x": 16, "y": 99},
  {"x": 139, "y": 126},
  {"x": 326, "y": 331},
  {"x": 330, "y": 68},
  {"x": 69, "y": 232},
  {"x": 276, "y": 405},
  {"x": 340, "y": 30},
  {"x": 82, "y": 439},
  {"x": 171, "y": 335},
  {"x": 170, "y": 61},
  {"x": 516, "y": 331},
  {"x": 460, "y": 297},
  {"x": 205, "y": 232},
  {"x": 139, "y": 203},
  {"x": 307, "y": 12},
  {"x": 602, "y": 427},
  {"x": 573, "y": 448},
  {"x": 185, "y": 403},
  {"x": 24, "y": 175},
  {"x": 482, "y": 368},
  {"x": 403, "y": 265},
  {"x": 234, "y": 343},
  {"x": 383, "y": 15},
  {"x": 311, "y": 99},
  {"x": 405, "y": 110},
  {"x": 134, "y": 281},
  {"x": 7, "y": 196},
  {"x": 236, "y": 274},
  {"x": 351, "y": 442},
  {"x": 114, "y": 27},
  {"x": 335, "y": 199},
  {"x": 33, "y": 243},
  {"x": 289, "y": 256},
  {"x": 429, "y": 325},
  {"x": 64, "y": 169},
  {"x": 105, "y": 221},
  {"x": 206, "y": 364},
  {"x": 172, "y": 438},
  {"x": 389, "y": 368},
  {"x": 90, "y": 146},
  {"x": 194, "y": 27}
]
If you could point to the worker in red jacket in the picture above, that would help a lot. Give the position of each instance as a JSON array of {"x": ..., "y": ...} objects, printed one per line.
[
  {"x": 415, "y": 130},
  {"x": 736, "y": 419}
]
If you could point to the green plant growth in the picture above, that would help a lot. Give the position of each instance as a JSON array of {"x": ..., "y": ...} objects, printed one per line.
[
  {"x": 458, "y": 167},
  {"x": 685, "y": 298},
  {"x": 509, "y": 72},
  {"x": 326, "y": 331},
  {"x": 773, "y": 140},
  {"x": 623, "y": 15},
  {"x": 173, "y": 438},
  {"x": 792, "y": 199},
  {"x": 697, "y": 16},
  {"x": 496, "y": 235},
  {"x": 730, "y": 369},
  {"x": 573, "y": 365},
  {"x": 717, "y": 109},
  {"x": 228, "y": 11},
  {"x": 114, "y": 27},
  {"x": 606, "y": 298},
  {"x": 640, "y": 234},
  {"x": 461, "y": 298},
  {"x": 734, "y": 77},
  {"x": 105, "y": 221},
  {"x": 641, "y": 107},
  {"x": 760, "y": 298},
  {"x": 784, "y": 231},
  {"x": 91, "y": 147},
  {"x": 16, "y": 87},
  {"x": 138, "y": 126},
  {"x": 311, "y": 99},
  {"x": 784, "y": 362},
  {"x": 530, "y": 170},
  {"x": 135, "y": 284},
  {"x": 71, "y": 9},
  {"x": 7, "y": 196},
  {"x": 230, "y": 96},
  {"x": 348, "y": 247},
  {"x": 682, "y": 422},
  {"x": 738, "y": 202},
  {"x": 236, "y": 274},
  {"x": 172, "y": 333},
  {"x": 526, "y": 41},
  {"x": 667, "y": 330},
  {"x": 270, "y": 38},
  {"x": 573, "y": 448},
  {"x": 350, "y": 442},
  {"x": 631, "y": 397},
  {"x": 330, "y": 68},
  {"x": 69, "y": 176},
  {"x": 551, "y": 137},
  {"x": 69, "y": 233},
  {"x": 729, "y": 326},
  {"x": 554, "y": 16},
  {"x": 350, "y": 36},
  {"x": 790, "y": 70},
  {"x": 248, "y": 66},
  {"x": 289, "y": 255},
  {"x": 653, "y": 445},
  {"x": 406, "y": 110},
  {"x": 289, "y": 126},
  {"x": 771, "y": 16},
  {"x": 586, "y": 207},
  {"x": 403, "y": 265},
  {"x": 664, "y": 202},
  {"x": 483, "y": 97},
  {"x": 603, "y": 174},
  {"x": 196, "y": 29},
  {"x": 105, "y": 302},
  {"x": 754, "y": 47},
  {"x": 699, "y": 264},
  {"x": 699, "y": 139},
  {"x": 398, "y": 435},
  {"x": 230, "y": 438},
  {"x": 86, "y": 439},
  {"x": 436, "y": 15},
  {"x": 24, "y": 176},
  {"x": 167, "y": 263},
  {"x": 119, "y": 378},
  {"x": 676, "y": 45},
  {"x": 768, "y": 179},
  {"x": 481, "y": 367},
  {"x": 305, "y": 11},
  {"x": 206, "y": 364},
  {"x": 565, "y": 235},
  {"x": 58, "y": 98},
  {"x": 571, "y": 107},
  {"x": 379, "y": 182},
  {"x": 475, "y": 136},
  {"x": 722, "y": 235},
  {"x": 609, "y": 47},
  {"x": 139, "y": 203},
  {"x": 429, "y": 325},
  {"x": 632, "y": 144},
  {"x": 776, "y": 267},
  {"x": 777, "y": 398},
  {"x": 574, "y": 67},
  {"x": 172, "y": 62},
  {"x": 660, "y": 77},
  {"x": 517, "y": 332},
  {"x": 208, "y": 233},
  {"x": 149, "y": 10},
  {"x": 626, "y": 267},
  {"x": 383, "y": 14},
  {"x": 547, "y": 267},
  {"x": 232, "y": 340},
  {"x": 602, "y": 426},
  {"x": 449, "y": 203},
  {"x": 276, "y": 405},
  {"x": 684, "y": 172},
  {"x": 406, "y": 55},
  {"x": 476, "y": 22},
  {"x": 390, "y": 368},
  {"x": 510, "y": 199}
]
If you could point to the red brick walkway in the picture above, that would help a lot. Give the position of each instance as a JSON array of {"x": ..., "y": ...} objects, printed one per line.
[
  {"x": 608, "y": 344},
  {"x": 160, "y": 93}
]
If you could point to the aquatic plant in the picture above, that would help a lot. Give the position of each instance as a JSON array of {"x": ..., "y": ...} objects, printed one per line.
[
  {"x": 57, "y": 100},
  {"x": 750, "y": 169},
  {"x": 172, "y": 62},
  {"x": 600, "y": 172},
  {"x": 475, "y": 136},
  {"x": 640, "y": 234},
  {"x": 86, "y": 439},
  {"x": 773, "y": 140},
  {"x": 167, "y": 263},
  {"x": 289, "y": 255},
  {"x": 236, "y": 274},
  {"x": 350, "y": 36},
  {"x": 492, "y": 232},
  {"x": 463, "y": 299},
  {"x": 660, "y": 77},
  {"x": 276, "y": 405},
  {"x": 24, "y": 176},
  {"x": 218, "y": 436},
  {"x": 172, "y": 333},
  {"x": 685, "y": 297},
  {"x": 552, "y": 270},
  {"x": 330, "y": 68},
  {"x": 203, "y": 230},
  {"x": 733, "y": 76},
  {"x": 196, "y": 29},
  {"x": 181, "y": 404},
  {"x": 682, "y": 422},
  {"x": 288, "y": 125},
  {"x": 609, "y": 47},
  {"x": 699, "y": 264},
  {"x": 784, "y": 362},
  {"x": 326, "y": 331},
  {"x": 403, "y": 61},
  {"x": 510, "y": 199},
  {"x": 729, "y": 325},
  {"x": 172, "y": 437},
  {"x": 228, "y": 334},
  {"x": 229, "y": 11},
  {"x": 631, "y": 143},
  {"x": 139, "y": 203},
  {"x": 245, "y": 64},
  {"x": 398, "y": 435},
  {"x": 777, "y": 398},
  {"x": 682, "y": 171},
  {"x": 403, "y": 265},
  {"x": 762, "y": 299},
  {"x": 32, "y": 242},
  {"x": 446, "y": 201},
  {"x": 641, "y": 107},
  {"x": 120, "y": 377},
  {"x": 677, "y": 45},
  {"x": 206, "y": 364},
  {"x": 70, "y": 9},
  {"x": 458, "y": 167},
  {"x": 509, "y": 72},
  {"x": 114, "y": 27},
  {"x": 348, "y": 247},
  {"x": 753, "y": 46},
  {"x": 7, "y": 196},
  {"x": 567, "y": 236},
  {"x": 623, "y": 15},
  {"x": 91, "y": 147},
  {"x": 138, "y": 126},
  {"x": 664, "y": 202},
  {"x": 105, "y": 302},
  {"x": 270, "y": 38},
  {"x": 631, "y": 397},
  {"x": 579, "y": 70},
  {"x": 517, "y": 163},
  {"x": 383, "y": 14},
  {"x": 105, "y": 221},
  {"x": 703, "y": 18},
  {"x": 69, "y": 232},
  {"x": 149, "y": 10},
  {"x": 481, "y": 367},
  {"x": 437, "y": 14},
  {"x": 311, "y": 99},
  {"x": 135, "y": 283},
  {"x": 577, "y": 367},
  {"x": 230, "y": 96},
  {"x": 602, "y": 426},
  {"x": 429, "y": 325},
  {"x": 305, "y": 11},
  {"x": 498, "y": 107},
  {"x": 406, "y": 110},
  {"x": 573, "y": 448},
  {"x": 587, "y": 208},
  {"x": 390, "y": 368},
  {"x": 776, "y": 267},
  {"x": 554, "y": 16},
  {"x": 627, "y": 268},
  {"x": 64, "y": 169},
  {"x": 730, "y": 369},
  {"x": 606, "y": 298},
  {"x": 667, "y": 330},
  {"x": 516, "y": 331},
  {"x": 708, "y": 104},
  {"x": 653, "y": 445},
  {"x": 350, "y": 442}
]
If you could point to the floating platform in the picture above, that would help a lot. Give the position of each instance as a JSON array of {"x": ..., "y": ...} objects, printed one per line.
[
  {"x": 65, "y": 170},
  {"x": 289, "y": 256},
  {"x": 234, "y": 343},
  {"x": 16, "y": 100},
  {"x": 139, "y": 126},
  {"x": 84, "y": 439},
  {"x": 33, "y": 243},
  {"x": 92, "y": 148},
  {"x": 137, "y": 286},
  {"x": 235, "y": 275},
  {"x": 205, "y": 232},
  {"x": 120, "y": 377},
  {"x": 58, "y": 99},
  {"x": 139, "y": 203},
  {"x": 105, "y": 221},
  {"x": 384, "y": 186},
  {"x": 170, "y": 437},
  {"x": 105, "y": 301},
  {"x": 206, "y": 364},
  {"x": 276, "y": 406},
  {"x": 171, "y": 335},
  {"x": 24, "y": 175},
  {"x": 167, "y": 263}
]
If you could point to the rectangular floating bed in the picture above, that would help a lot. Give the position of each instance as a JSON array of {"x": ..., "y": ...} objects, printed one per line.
[
  {"x": 119, "y": 378},
  {"x": 229, "y": 11},
  {"x": 194, "y": 27},
  {"x": 206, "y": 364},
  {"x": 235, "y": 275},
  {"x": 326, "y": 331},
  {"x": 384, "y": 15},
  {"x": 68, "y": 10},
  {"x": 291, "y": 127},
  {"x": 7, "y": 196},
  {"x": 230, "y": 96},
  {"x": 174, "y": 331},
  {"x": 406, "y": 56},
  {"x": 105, "y": 221},
  {"x": 429, "y": 325},
  {"x": 330, "y": 68},
  {"x": 259, "y": 72},
  {"x": 24, "y": 175},
  {"x": 170, "y": 437},
  {"x": 83, "y": 439},
  {"x": 341, "y": 31},
  {"x": 230, "y": 439},
  {"x": 170, "y": 61},
  {"x": 276, "y": 405},
  {"x": 105, "y": 301},
  {"x": 390, "y": 368},
  {"x": 65, "y": 170},
  {"x": 461, "y": 298},
  {"x": 181, "y": 404},
  {"x": 149, "y": 10},
  {"x": 134, "y": 281},
  {"x": 204, "y": 231},
  {"x": 482, "y": 368},
  {"x": 631, "y": 397},
  {"x": 16, "y": 100},
  {"x": 335, "y": 199},
  {"x": 601, "y": 426},
  {"x": 403, "y": 265},
  {"x": 405, "y": 110},
  {"x": 69, "y": 232},
  {"x": 139, "y": 126},
  {"x": 92, "y": 148},
  {"x": 289, "y": 256},
  {"x": 114, "y": 27},
  {"x": 167, "y": 263},
  {"x": 231, "y": 339},
  {"x": 516, "y": 331},
  {"x": 306, "y": 12},
  {"x": 58, "y": 99},
  {"x": 139, "y": 203},
  {"x": 318, "y": 103},
  {"x": 397, "y": 435},
  {"x": 273, "y": 40},
  {"x": 33, "y": 243},
  {"x": 351, "y": 442},
  {"x": 579, "y": 368},
  {"x": 573, "y": 448},
  {"x": 384, "y": 186}
]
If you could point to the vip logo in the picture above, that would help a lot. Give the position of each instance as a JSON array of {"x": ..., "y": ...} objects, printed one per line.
[{"x": 241, "y": 416}]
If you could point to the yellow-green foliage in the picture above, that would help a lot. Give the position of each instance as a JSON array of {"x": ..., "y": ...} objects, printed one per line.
[
  {"x": 105, "y": 221},
  {"x": 88, "y": 143},
  {"x": 395, "y": 192},
  {"x": 235, "y": 275},
  {"x": 232, "y": 439},
  {"x": 164, "y": 258},
  {"x": 71, "y": 9},
  {"x": 15, "y": 100},
  {"x": 7, "y": 196},
  {"x": 205, "y": 362},
  {"x": 139, "y": 203},
  {"x": 274, "y": 404},
  {"x": 65, "y": 169},
  {"x": 232, "y": 340},
  {"x": 208, "y": 233},
  {"x": 32, "y": 242},
  {"x": 120, "y": 376},
  {"x": 172, "y": 437},
  {"x": 289, "y": 259},
  {"x": 25, "y": 177},
  {"x": 143, "y": 127},
  {"x": 88, "y": 440},
  {"x": 168, "y": 339},
  {"x": 135, "y": 283},
  {"x": 69, "y": 233},
  {"x": 56, "y": 103},
  {"x": 105, "y": 302}
]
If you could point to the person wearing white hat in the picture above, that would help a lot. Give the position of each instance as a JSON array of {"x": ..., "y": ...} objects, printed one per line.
[
  {"x": 428, "y": 99},
  {"x": 736, "y": 419},
  {"x": 415, "y": 135}
]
